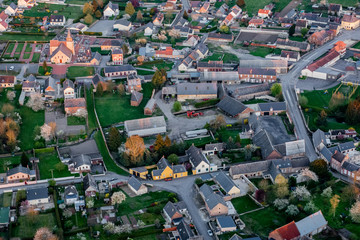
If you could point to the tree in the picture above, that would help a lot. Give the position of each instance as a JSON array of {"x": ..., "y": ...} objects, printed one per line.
[
  {"x": 281, "y": 204},
  {"x": 125, "y": 49},
  {"x": 117, "y": 198},
  {"x": 304, "y": 31},
  {"x": 121, "y": 89},
  {"x": 303, "y": 101},
  {"x": 89, "y": 202},
  {"x": 167, "y": 142},
  {"x": 352, "y": 114},
  {"x": 260, "y": 195},
  {"x": 159, "y": 143},
  {"x": 135, "y": 148},
  {"x": 301, "y": 193},
  {"x": 292, "y": 210},
  {"x": 35, "y": 102},
  {"x": 11, "y": 139},
  {"x": 60, "y": 167},
  {"x": 334, "y": 202},
  {"x": 95, "y": 5},
  {"x": 355, "y": 212},
  {"x": 87, "y": 9},
  {"x": 153, "y": 11},
  {"x": 44, "y": 234},
  {"x": 46, "y": 132},
  {"x": 230, "y": 144},
  {"x": 52, "y": 125},
  {"x": 81, "y": 113},
  {"x": 67, "y": 213},
  {"x": 99, "y": 89},
  {"x": 350, "y": 193},
  {"x": 177, "y": 106},
  {"x": 264, "y": 184},
  {"x": 248, "y": 150},
  {"x": 158, "y": 78},
  {"x": 129, "y": 9},
  {"x": 173, "y": 159},
  {"x": 10, "y": 95},
  {"x": 224, "y": 29},
  {"x": 114, "y": 139},
  {"x": 322, "y": 118},
  {"x": 217, "y": 123},
  {"x": 98, "y": 14},
  {"x": 310, "y": 207},
  {"x": 281, "y": 190},
  {"x": 24, "y": 160},
  {"x": 7, "y": 109},
  {"x": 135, "y": 3},
  {"x": 292, "y": 30},
  {"x": 320, "y": 168},
  {"x": 185, "y": 16},
  {"x": 139, "y": 16},
  {"x": 327, "y": 192},
  {"x": 100, "y": 3},
  {"x": 276, "y": 89},
  {"x": 240, "y": 3},
  {"x": 88, "y": 19},
  {"x": 45, "y": 67}
]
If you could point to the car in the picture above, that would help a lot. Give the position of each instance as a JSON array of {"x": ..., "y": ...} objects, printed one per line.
[
  {"x": 210, "y": 232},
  {"x": 11, "y": 68},
  {"x": 113, "y": 179}
]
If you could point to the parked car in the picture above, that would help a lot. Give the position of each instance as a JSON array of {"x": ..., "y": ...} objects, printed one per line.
[
  {"x": 11, "y": 68},
  {"x": 210, "y": 232}
]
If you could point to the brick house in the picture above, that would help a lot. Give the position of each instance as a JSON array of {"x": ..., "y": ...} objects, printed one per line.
[
  {"x": 321, "y": 37},
  {"x": 7, "y": 81},
  {"x": 122, "y": 70},
  {"x": 219, "y": 37},
  {"x": 234, "y": 108},
  {"x": 256, "y": 22},
  {"x": 337, "y": 159},
  {"x": 210, "y": 66},
  {"x": 117, "y": 56},
  {"x": 133, "y": 83},
  {"x": 257, "y": 75},
  {"x": 150, "y": 107},
  {"x": 73, "y": 105},
  {"x": 136, "y": 98}
]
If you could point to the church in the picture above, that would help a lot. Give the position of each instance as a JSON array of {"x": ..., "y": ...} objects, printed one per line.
[{"x": 62, "y": 51}]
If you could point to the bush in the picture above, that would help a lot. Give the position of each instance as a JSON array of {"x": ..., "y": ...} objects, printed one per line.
[
  {"x": 207, "y": 103},
  {"x": 93, "y": 33},
  {"x": 44, "y": 150},
  {"x": 177, "y": 106}
]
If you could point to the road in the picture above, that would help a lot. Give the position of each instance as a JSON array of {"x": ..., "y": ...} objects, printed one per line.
[{"x": 290, "y": 79}]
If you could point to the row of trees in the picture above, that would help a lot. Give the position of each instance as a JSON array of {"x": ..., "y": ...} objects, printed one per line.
[{"x": 91, "y": 9}]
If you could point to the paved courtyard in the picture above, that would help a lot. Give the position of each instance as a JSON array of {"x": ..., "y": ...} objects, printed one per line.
[
  {"x": 61, "y": 123},
  {"x": 104, "y": 26}
]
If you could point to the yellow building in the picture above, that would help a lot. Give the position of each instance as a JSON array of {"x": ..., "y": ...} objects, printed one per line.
[
  {"x": 350, "y": 22},
  {"x": 167, "y": 171},
  {"x": 62, "y": 51},
  {"x": 139, "y": 172}
]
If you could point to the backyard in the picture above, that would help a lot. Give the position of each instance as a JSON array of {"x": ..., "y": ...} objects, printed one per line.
[
  {"x": 113, "y": 108},
  {"x": 50, "y": 162},
  {"x": 263, "y": 51},
  {"x": 42, "y": 10},
  {"x": 73, "y": 120},
  {"x": 244, "y": 204},
  {"x": 10, "y": 162},
  {"x": 225, "y": 57},
  {"x": 5, "y": 199},
  {"x": 26, "y": 225},
  {"x": 78, "y": 71}
]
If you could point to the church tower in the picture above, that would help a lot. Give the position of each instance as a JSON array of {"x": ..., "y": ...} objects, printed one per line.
[{"x": 70, "y": 42}]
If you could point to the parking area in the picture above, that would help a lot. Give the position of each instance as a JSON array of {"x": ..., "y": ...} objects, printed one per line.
[
  {"x": 61, "y": 123},
  {"x": 275, "y": 127},
  {"x": 104, "y": 26},
  {"x": 315, "y": 84}
]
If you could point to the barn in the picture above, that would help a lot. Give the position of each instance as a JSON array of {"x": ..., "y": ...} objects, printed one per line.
[{"x": 146, "y": 126}]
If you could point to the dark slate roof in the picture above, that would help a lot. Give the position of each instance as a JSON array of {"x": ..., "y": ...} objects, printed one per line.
[
  {"x": 75, "y": 102},
  {"x": 134, "y": 183},
  {"x": 326, "y": 153},
  {"x": 290, "y": 54},
  {"x": 225, "y": 221},
  {"x": 318, "y": 137},
  {"x": 237, "y": 237},
  {"x": 300, "y": 162},
  {"x": 178, "y": 168},
  {"x": 140, "y": 169},
  {"x": 80, "y": 160},
  {"x": 231, "y": 106},
  {"x": 346, "y": 146},
  {"x": 195, "y": 155},
  {"x": 57, "y": 18},
  {"x": 157, "y": 172},
  {"x": 18, "y": 169},
  {"x": 257, "y": 71},
  {"x": 276, "y": 106},
  {"x": 70, "y": 192},
  {"x": 163, "y": 163},
  {"x": 136, "y": 96},
  {"x": 37, "y": 193},
  {"x": 13, "y": 6},
  {"x": 170, "y": 209},
  {"x": 68, "y": 83},
  {"x": 206, "y": 190},
  {"x": 338, "y": 156},
  {"x": 202, "y": 48},
  {"x": 251, "y": 167},
  {"x": 333, "y": 149},
  {"x": 290, "y": 43},
  {"x": 262, "y": 140},
  {"x": 213, "y": 200},
  {"x": 31, "y": 78},
  {"x": 96, "y": 79},
  {"x": 89, "y": 181},
  {"x": 183, "y": 29},
  {"x": 97, "y": 56},
  {"x": 273, "y": 171},
  {"x": 123, "y": 22},
  {"x": 220, "y": 36},
  {"x": 113, "y": 6},
  {"x": 184, "y": 231},
  {"x": 350, "y": 167},
  {"x": 196, "y": 88},
  {"x": 225, "y": 182},
  {"x": 212, "y": 146},
  {"x": 120, "y": 68}
]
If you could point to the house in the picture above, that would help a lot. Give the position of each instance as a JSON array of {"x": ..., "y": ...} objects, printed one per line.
[
  {"x": 136, "y": 98},
  {"x": 319, "y": 140},
  {"x": 109, "y": 44},
  {"x": 145, "y": 126},
  {"x": 57, "y": 20},
  {"x": 80, "y": 163},
  {"x": 117, "y": 56},
  {"x": 37, "y": 196},
  {"x": 96, "y": 59},
  {"x": 111, "y": 9},
  {"x": 256, "y": 22},
  {"x": 321, "y": 37},
  {"x": 68, "y": 87},
  {"x": 172, "y": 214},
  {"x": 300, "y": 24},
  {"x": 335, "y": 9},
  {"x": 19, "y": 174},
  {"x": 150, "y": 107},
  {"x": 286, "y": 232},
  {"x": 232, "y": 16},
  {"x": 350, "y": 22},
  {"x": 30, "y": 86},
  {"x": 136, "y": 186},
  {"x": 184, "y": 31},
  {"x": 196, "y": 91},
  {"x": 272, "y": 108},
  {"x": 122, "y": 70},
  {"x": 62, "y": 51},
  {"x": 7, "y": 81},
  {"x": 292, "y": 45},
  {"x": 205, "y": 7},
  {"x": 52, "y": 88},
  {"x": 220, "y": 37},
  {"x": 202, "y": 50},
  {"x": 78, "y": 27},
  {"x": 3, "y": 24},
  {"x": 262, "y": 13},
  {"x": 290, "y": 56},
  {"x": 214, "y": 148},
  {"x": 257, "y": 75},
  {"x": 168, "y": 52},
  {"x": 158, "y": 19},
  {"x": 133, "y": 83},
  {"x": 26, "y": 3},
  {"x": 286, "y": 22},
  {"x": 335, "y": 28},
  {"x": 280, "y": 66},
  {"x": 4, "y": 217},
  {"x": 226, "y": 184},
  {"x": 199, "y": 162},
  {"x": 90, "y": 186},
  {"x": 11, "y": 10},
  {"x": 71, "y": 195},
  {"x": 73, "y": 105},
  {"x": 337, "y": 160},
  {"x": 221, "y": 12},
  {"x": 184, "y": 231},
  {"x": 234, "y": 108},
  {"x": 122, "y": 25},
  {"x": 149, "y": 29},
  {"x": 342, "y": 134},
  {"x": 350, "y": 170},
  {"x": 165, "y": 170},
  {"x": 210, "y": 66},
  {"x": 225, "y": 224},
  {"x": 191, "y": 41},
  {"x": 214, "y": 203}
]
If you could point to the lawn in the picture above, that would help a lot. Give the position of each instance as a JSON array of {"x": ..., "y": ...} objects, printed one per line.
[
  {"x": 48, "y": 160},
  {"x": 42, "y": 71},
  {"x": 90, "y": 108},
  {"x": 77, "y": 71},
  {"x": 13, "y": 162},
  {"x": 199, "y": 142},
  {"x": 28, "y": 47},
  {"x": 109, "y": 163},
  {"x": 36, "y": 58},
  {"x": 357, "y": 45},
  {"x": 213, "y": 57},
  {"x": 73, "y": 120},
  {"x": 26, "y": 37},
  {"x": 26, "y": 55},
  {"x": 159, "y": 64},
  {"x": 42, "y": 10},
  {"x": 10, "y": 48},
  {"x": 230, "y": 58},
  {"x": 244, "y": 204},
  {"x": 98, "y": 49},
  {"x": 5, "y": 199},
  {"x": 19, "y": 47},
  {"x": 297, "y": 38},
  {"x": 27, "y": 226},
  {"x": 263, "y": 51},
  {"x": 113, "y": 108},
  {"x": 345, "y": 3},
  {"x": 144, "y": 72},
  {"x": 30, "y": 120}
]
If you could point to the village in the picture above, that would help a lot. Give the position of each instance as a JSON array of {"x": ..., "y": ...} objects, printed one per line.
[{"x": 179, "y": 119}]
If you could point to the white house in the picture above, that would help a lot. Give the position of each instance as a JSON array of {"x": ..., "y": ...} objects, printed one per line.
[
  {"x": 26, "y": 3},
  {"x": 149, "y": 29},
  {"x": 111, "y": 9},
  {"x": 57, "y": 20},
  {"x": 68, "y": 87},
  {"x": 70, "y": 194},
  {"x": 122, "y": 25},
  {"x": 199, "y": 162},
  {"x": 11, "y": 9},
  {"x": 37, "y": 196},
  {"x": 80, "y": 163},
  {"x": 136, "y": 186}
]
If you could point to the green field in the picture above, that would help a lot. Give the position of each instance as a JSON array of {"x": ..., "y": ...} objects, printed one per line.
[
  {"x": 35, "y": 58},
  {"x": 297, "y": 38},
  {"x": 12, "y": 161},
  {"x": 252, "y": 6},
  {"x": 73, "y": 120},
  {"x": 244, "y": 204},
  {"x": 225, "y": 57},
  {"x": 26, "y": 37},
  {"x": 48, "y": 161},
  {"x": 10, "y": 48},
  {"x": 345, "y": 3},
  {"x": 159, "y": 64},
  {"x": 112, "y": 108},
  {"x": 357, "y": 45},
  {"x": 31, "y": 119},
  {"x": 5, "y": 199},
  {"x": 26, "y": 55},
  {"x": 144, "y": 72},
  {"x": 42, "y": 10},
  {"x": 90, "y": 108},
  {"x": 199, "y": 142},
  {"x": 78, "y": 71},
  {"x": 19, "y": 47},
  {"x": 27, "y": 227},
  {"x": 28, "y": 47},
  {"x": 263, "y": 51}
]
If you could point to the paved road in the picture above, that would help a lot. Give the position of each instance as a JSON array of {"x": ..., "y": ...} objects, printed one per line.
[{"x": 290, "y": 79}]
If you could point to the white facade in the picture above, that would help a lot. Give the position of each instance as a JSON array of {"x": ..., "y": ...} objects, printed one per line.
[
  {"x": 203, "y": 167},
  {"x": 83, "y": 168},
  {"x": 35, "y": 202},
  {"x": 143, "y": 189},
  {"x": 108, "y": 12},
  {"x": 69, "y": 93},
  {"x": 148, "y": 31},
  {"x": 10, "y": 11}
]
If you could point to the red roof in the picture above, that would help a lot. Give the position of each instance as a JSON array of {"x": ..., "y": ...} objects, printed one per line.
[
  {"x": 256, "y": 21},
  {"x": 288, "y": 231},
  {"x": 167, "y": 51},
  {"x": 263, "y": 11},
  {"x": 324, "y": 60}
]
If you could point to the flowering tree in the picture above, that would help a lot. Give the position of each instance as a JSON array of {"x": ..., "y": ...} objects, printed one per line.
[
  {"x": 109, "y": 227},
  {"x": 355, "y": 212},
  {"x": 10, "y": 95},
  {"x": 82, "y": 113},
  {"x": 46, "y": 132},
  {"x": 67, "y": 213},
  {"x": 334, "y": 201},
  {"x": 281, "y": 203},
  {"x": 44, "y": 234},
  {"x": 90, "y": 202},
  {"x": 310, "y": 207},
  {"x": 292, "y": 210},
  {"x": 302, "y": 193},
  {"x": 117, "y": 198},
  {"x": 327, "y": 193},
  {"x": 126, "y": 228},
  {"x": 36, "y": 102},
  {"x": 141, "y": 223}
]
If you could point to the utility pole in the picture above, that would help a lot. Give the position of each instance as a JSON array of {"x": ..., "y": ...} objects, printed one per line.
[{"x": 52, "y": 173}]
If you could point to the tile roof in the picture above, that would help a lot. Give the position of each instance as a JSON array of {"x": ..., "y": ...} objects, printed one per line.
[
  {"x": 76, "y": 102},
  {"x": 7, "y": 79},
  {"x": 288, "y": 231}
]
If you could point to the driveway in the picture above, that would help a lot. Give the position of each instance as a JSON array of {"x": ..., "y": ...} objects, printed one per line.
[
  {"x": 104, "y": 26},
  {"x": 61, "y": 123}
]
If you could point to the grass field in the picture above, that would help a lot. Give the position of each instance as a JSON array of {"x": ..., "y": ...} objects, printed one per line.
[
  {"x": 159, "y": 65},
  {"x": 252, "y": 6},
  {"x": 90, "y": 108},
  {"x": 19, "y": 47},
  {"x": 42, "y": 10},
  {"x": 13, "y": 162},
  {"x": 144, "y": 72},
  {"x": 345, "y": 3},
  {"x": 112, "y": 108},
  {"x": 73, "y": 120},
  {"x": 10, "y": 48},
  {"x": 5, "y": 199},
  {"x": 297, "y": 38},
  {"x": 199, "y": 142},
  {"x": 47, "y": 162},
  {"x": 77, "y": 71},
  {"x": 244, "y": 204},
  {"x": 26, "y": 55},
  {"x": 28, "y": 47},
  {"x": 30, "y": 120},
  {"x": 263, "y": 51},
  {"x": 26, "y": 37},
  {"x": 27, "y": 227},
  {"x": 35, "y": 58},
  {"x": 225, "y": 57},
  {"x": 42, "y": 72}
]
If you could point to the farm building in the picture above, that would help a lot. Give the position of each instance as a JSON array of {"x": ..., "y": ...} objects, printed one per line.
[
  {"x": 196, "y": 91},
  {"x": 145, "y": 126}
]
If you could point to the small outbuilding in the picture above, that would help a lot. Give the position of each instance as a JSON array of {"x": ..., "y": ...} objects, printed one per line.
[{"x": 145, "y": 126}]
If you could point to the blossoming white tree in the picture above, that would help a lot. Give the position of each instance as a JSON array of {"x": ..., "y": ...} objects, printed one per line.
[
  {"x": 117, "y": 198},
  {"x": 36, "y": 102},
  {"x": 327, "y": 192},
  {"x": 281, "y": 203},
  {"x": 355, "y": 212},
  {"x": 310, "y": 207},
  {"x": 302, "y": 193},
  {"x": 292, "y": 210}
]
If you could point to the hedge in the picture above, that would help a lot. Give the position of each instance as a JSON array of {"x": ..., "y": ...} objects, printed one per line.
[
  {"x": 92, "y": 33},
  {"x": 44, "y": 150},
  {"x": 77, "y": 230},
  {"x": 208, "y": 30},
  {"x": 28, "y": 33},
  {"x": 207, "y": 103}
]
